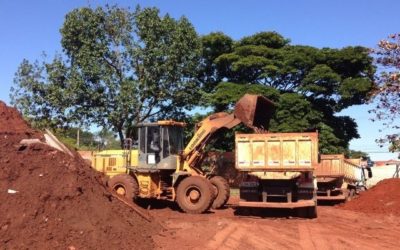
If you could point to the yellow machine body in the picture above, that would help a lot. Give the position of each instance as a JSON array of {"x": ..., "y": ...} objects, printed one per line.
[
  {"x": 113, "y": 162},
  {"x": 159, "y": 167}
]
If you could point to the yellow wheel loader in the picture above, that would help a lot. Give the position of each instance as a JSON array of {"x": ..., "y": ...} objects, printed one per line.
[{"x": 162, "y": 168}]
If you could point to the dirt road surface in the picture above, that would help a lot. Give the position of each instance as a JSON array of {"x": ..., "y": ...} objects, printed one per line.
[{"x": 276, "y": 229}]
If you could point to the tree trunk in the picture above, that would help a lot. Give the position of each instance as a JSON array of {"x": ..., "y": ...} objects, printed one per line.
[{"x": 121, "y": 137}]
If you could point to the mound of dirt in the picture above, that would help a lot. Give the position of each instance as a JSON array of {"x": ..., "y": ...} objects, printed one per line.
[
  {"x": 50, "y": 200},
  {"x": 384, "y": 198},
  {"x": 11, "y": 122}
]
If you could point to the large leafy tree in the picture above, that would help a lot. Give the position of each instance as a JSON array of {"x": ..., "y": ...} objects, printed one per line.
[
  {"x": 387, "y": 95},
  {"x": 314, "y": 84},
  {"x": 119, "y": 68}
]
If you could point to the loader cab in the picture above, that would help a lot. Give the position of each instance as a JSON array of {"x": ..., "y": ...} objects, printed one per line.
[{"x": 160, "y": 144}]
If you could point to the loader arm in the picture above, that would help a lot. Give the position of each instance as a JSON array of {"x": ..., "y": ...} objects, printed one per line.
[
  {"x": 193, "y": 153},
  {"x": 254, "y": 111}
]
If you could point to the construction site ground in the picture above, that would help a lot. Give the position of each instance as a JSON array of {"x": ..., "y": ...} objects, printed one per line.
[
  {"x": 50, "y": 200},
  {"x": 229, "y": 228}
]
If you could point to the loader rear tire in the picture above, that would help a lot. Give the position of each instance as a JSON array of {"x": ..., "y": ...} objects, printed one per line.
[
  {"x": 222, "y": 191},
  {"x": 195, "y": 195},
  {"x": 124, "y": 185}
]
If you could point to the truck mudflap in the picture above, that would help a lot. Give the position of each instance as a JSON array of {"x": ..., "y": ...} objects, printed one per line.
[{"x": 297, "y": 204}]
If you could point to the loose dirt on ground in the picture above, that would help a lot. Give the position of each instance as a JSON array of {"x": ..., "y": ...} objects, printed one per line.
[
  {"x": 49, "y": 200},
  {"x": 384, "y": 198},
  {"x": 270, "y": 229}
]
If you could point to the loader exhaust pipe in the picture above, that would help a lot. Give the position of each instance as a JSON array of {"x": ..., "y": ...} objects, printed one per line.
[{"x": 254, "y": 111}]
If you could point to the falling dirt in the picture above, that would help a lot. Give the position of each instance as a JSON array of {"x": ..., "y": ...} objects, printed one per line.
[
  {"x": 384, "y": 198},
  {"x": 50, "y": 200}
]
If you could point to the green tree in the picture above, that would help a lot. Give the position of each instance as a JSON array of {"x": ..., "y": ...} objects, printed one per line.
[
  {"x": 354, "y": 154},
  {"x": 69, "y": 136},
  {"x": 213, "y": 45},
  {"x": 106, "y": 139},
  {"x": 312, "y": 84},
  {"x": 119, "y": 68}
]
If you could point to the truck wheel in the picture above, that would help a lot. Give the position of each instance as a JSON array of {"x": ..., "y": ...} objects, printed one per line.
[
  {"x": 307, "y": 212},
  {"x": 350, "y": 194},
  {"x": 312, "y": 212},
  {"x": 194, "y": 195},
  {"x": 124, "y": 185},
  {"x": 221, "y": 190}
]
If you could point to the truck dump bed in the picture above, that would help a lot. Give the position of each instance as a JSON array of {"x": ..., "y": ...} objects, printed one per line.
[
  {"x": 330, "y": 166},
  {"x": 277, "y": 170},
  {"x": 276, "y": 151},
  {"x": 337, "y": 177},
  {"x": 352, "y": 172},
  {"x": 337, "y": 166}
]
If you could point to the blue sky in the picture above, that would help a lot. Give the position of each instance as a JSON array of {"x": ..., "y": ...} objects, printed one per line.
[{"x": 30, "y": 27}]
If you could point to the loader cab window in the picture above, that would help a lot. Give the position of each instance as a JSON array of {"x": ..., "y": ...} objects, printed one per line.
[
  {"x": 154, "y": 139},
  {"x": 172, "y": 140},
  {"x": 159, "y": 142},
  {"x": 142, "y": 139},
  {"x": 176, "y": 139},
  {"x": 153, "y": 144}
]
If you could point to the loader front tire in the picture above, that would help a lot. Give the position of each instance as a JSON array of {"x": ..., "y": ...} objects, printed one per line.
[
  {"x": 222, "y": 191},
  {"x": 195, "y": 195},
  {"x": 124, "y": 185}
]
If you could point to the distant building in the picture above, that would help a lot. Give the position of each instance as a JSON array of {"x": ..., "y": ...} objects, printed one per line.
[{"x": 385, "y": 163}]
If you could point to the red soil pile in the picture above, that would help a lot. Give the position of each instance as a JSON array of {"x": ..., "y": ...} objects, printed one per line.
[
  {"x": 11, "y": 122},
  {"x": 61, "y": 203},
  {"x": 384, "y": 198}
]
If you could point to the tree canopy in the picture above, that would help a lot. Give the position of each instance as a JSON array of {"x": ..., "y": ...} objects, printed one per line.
[
  {"x": 119, "y": 68},
  {"x": 309, "y": 85},
  {"x": 387, "y": 95}
]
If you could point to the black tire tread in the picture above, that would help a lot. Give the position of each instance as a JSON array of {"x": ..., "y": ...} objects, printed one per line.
[
  {"x": 350, "y": 194},
  {"x": 208, "y": 193},
  {"x": 312, "y": 212},
  {"x": 223, "y": 191},
  {"x": 129, "y": 182}
]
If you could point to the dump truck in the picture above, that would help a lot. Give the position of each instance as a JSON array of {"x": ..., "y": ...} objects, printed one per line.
[
  {"x": 340, "y": 179},
  {"x": 277, "y": 170},
  {"x": 162, "y": 168}
]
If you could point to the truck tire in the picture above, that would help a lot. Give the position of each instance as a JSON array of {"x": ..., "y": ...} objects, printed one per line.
[
  {"x": 307, "y": 212},
  {"x": 312, "y": 212},
  {"x": 221, "y": 191},
  {"x": 350, "y": 194},
  {"x": 195, "y": 195},
  {"x": 124, "y": 185}
]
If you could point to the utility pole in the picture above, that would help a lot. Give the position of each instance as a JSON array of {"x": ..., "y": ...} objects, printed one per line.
[{"x": 77, "y": 138}]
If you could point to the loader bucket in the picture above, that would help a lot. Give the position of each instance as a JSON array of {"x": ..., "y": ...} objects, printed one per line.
[{"x": 254, "y": 111}]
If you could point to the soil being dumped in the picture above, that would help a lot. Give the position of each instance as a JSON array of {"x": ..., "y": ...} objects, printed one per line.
[
  {"x": 50, "y": 200},
  {"x": 384, "y": 198}
]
